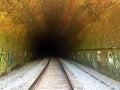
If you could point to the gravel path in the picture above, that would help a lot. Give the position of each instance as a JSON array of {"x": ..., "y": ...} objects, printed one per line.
[
  {"x": 91, "y": 79},
  {"x": 22, "y": 78}
]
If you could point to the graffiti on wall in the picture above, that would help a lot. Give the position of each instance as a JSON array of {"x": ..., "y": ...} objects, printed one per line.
[
  {"x": 104, "y": 61},
  {"x": 10, "y": 59}
]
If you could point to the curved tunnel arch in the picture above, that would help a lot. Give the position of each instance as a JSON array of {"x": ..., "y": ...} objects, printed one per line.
[{"x": 77, "y": 24}]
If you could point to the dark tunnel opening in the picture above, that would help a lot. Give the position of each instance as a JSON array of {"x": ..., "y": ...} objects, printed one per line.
[{"x": 50, "y": 45}]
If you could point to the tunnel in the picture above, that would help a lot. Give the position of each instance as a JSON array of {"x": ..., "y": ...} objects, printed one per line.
[
  {"x": 85, "y": 31},
  {"x": 52, "y": 45}
]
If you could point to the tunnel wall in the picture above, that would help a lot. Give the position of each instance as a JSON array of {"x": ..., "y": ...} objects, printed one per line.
[
  {"x": 14, "y": 44},
  {"x": 104, "y": 61},
  {"x": 10, "y": 59},
  {"x": 13, "y": 51},
  {"x": 97, "y": 27},
  {"x": 100, "y": 25}
]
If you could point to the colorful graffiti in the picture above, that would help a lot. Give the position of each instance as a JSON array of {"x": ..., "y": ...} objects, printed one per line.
[
  {"x": 104, "y": 61},
  {"x": 10, "y": 59}
]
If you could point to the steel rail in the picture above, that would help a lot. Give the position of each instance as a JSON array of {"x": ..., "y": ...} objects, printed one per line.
[{"x": 36, "y": 81}]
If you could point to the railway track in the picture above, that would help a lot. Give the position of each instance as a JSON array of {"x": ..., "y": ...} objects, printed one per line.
[{"x": 52, "y": 77}]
